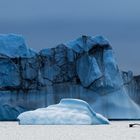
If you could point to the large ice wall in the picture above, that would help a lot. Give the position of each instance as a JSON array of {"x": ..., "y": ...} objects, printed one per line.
[
  {"x": 132, "y": 85},
  {"x": 84, "y": 68}
]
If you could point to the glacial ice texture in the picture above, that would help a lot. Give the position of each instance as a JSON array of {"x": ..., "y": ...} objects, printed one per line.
[
  {"x": 67, "y": 112},
  {"x": 85, "y": 68}
]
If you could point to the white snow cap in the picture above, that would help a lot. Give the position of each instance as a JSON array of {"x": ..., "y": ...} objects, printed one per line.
[{"x": 67, "y": 112}]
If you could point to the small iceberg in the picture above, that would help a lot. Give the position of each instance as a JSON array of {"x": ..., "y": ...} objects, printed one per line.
[{"x": 67, "y": 112}]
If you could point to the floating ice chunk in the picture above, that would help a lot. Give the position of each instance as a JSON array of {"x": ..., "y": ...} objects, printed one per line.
[{"x": 67, "y": 112}]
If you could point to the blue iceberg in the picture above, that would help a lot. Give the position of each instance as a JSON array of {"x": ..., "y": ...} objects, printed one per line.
[
  {"x": 67, "y": 112},
  {"x": 85, "y": 68},
  {"x": 15, "y": 57},
  {"x": 12, "y": 46}
]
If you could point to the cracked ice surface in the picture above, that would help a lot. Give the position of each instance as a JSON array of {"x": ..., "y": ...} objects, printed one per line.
[{"x": 84, "y": 68}]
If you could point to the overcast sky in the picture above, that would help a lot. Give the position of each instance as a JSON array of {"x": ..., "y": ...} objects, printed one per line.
[{"x": 46, "y": 23}]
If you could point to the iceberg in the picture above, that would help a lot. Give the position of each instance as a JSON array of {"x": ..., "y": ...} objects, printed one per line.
[
  {"x": 15, "y": 57},
  {"x": 67, "y": 112},
  {"x": 84, "y": 68},
  {"x": 12, "y": 46}
]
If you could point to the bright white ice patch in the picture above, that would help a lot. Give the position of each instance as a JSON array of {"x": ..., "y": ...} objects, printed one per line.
[{"x": 68, "y": 111}]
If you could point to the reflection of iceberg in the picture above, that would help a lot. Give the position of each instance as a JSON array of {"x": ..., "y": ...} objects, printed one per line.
[
  {"x": 84, "y": 68},
  {"x": 68, "y": 111}
]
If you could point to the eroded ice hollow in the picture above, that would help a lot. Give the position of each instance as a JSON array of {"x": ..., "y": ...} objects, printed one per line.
[{"x": 84, "y": 68}]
